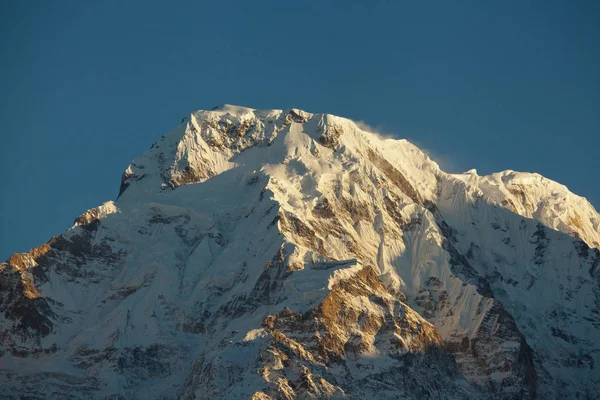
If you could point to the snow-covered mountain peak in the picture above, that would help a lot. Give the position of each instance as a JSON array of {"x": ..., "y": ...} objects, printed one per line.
[
  {"x": 206, "y": 142},
  {"x": 534, "y": 196},
  {"x": 274, "y": 254},
  {"x": 231, "y": 109},
  {"x": 210, "y": 142}
]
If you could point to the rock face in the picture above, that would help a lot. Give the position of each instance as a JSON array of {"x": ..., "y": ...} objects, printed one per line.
[{"x": 281, "y": 255}]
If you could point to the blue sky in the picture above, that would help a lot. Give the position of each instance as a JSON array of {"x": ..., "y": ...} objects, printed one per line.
[{"x": 87, "y": 86}]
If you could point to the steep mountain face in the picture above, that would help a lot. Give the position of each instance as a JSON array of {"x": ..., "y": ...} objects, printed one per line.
[{"x": 282, "y": 254}]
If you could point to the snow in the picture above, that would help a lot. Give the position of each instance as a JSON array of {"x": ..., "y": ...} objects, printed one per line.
[
  {"x": 533, "y": 196},
  {"x": 240, "y": 213}
]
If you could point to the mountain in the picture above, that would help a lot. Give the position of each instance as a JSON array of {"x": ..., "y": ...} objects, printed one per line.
[{"x": 273, "y": 254}]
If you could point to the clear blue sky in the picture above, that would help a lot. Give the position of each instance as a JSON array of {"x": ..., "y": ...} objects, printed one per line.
[{"x": 492, "y": 85}]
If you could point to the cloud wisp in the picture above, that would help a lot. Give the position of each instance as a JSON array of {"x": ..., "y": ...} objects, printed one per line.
[{"x": 445, "y": 161}]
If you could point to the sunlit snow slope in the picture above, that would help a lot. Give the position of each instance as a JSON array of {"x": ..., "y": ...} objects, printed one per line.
[{"x": 273, "y": 254}]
